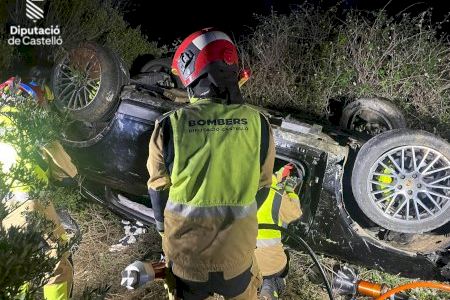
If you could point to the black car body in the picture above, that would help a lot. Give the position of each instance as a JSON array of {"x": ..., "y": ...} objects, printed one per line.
[{"x": 111, "y": 157}]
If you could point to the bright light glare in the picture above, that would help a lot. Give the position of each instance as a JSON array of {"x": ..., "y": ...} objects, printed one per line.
[{"x": 8, "y": 156}]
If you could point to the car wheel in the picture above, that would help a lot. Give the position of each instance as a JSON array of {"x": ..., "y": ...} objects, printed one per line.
[
  {"x": 401, "y": 180},
  {"x": 159, "y": 72},
  {"x": 87, "y": 82},
  {"x": 372, "y": 116}
]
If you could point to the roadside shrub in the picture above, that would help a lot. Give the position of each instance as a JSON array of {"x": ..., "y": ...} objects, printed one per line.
[
  {"x": 6, "y": 55},
  {"x": 26, "y": 127},
  {"x": 79, "y": 20},
  {"x": 5, "y": 50},
  {"x": 285, "y": 54},
  {"x": 101, "y": 21},
  {"x": 301, "y": 60}
]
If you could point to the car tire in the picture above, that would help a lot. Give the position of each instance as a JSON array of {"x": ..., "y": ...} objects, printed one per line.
[
  {"x": 399, "y": 199},
  {"x": 161, "y": 69},
  {"x": 87, "y": 82},
  {"x": 372, "y": 116}
]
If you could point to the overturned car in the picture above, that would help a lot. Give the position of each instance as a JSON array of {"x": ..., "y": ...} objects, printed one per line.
[{"x": 374, "y": 193}]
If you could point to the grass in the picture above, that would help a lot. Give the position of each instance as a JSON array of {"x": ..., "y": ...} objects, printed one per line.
[
  {"x": 96, "y": 268},
  {"x": 304, "y": 283},
  {"x": 97, "y": 271},
  {"x": 394, "y": 280}
]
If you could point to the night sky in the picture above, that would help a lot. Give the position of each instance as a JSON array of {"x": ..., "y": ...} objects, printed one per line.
[{"x": 166, "y": 20}]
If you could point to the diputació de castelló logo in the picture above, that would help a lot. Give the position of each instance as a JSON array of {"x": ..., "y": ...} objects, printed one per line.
[
  {"x": 35, "y": 36},
  {"x": 33, "y": 11}
]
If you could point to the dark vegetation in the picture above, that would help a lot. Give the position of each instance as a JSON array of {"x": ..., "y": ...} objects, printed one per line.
[
  {"x": 299, "y": 61},
  {"x": 302, "y": 60}
]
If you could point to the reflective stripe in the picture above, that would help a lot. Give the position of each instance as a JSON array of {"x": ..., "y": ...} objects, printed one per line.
[
  {"x": 293, "y": 196},
  {"x": 265, "y": 234},
  {"x": 260, "y": 243},
  {"x": 268, "y": 213},
  {"x": 28, "y": 89},
  {"x": 159, "y": 225},
  {"x": 201, "y": 41},
  {"x": 276, "y": 205},
  {"x": 57, "y": 291},
  {"x": 189, "y": 211}
]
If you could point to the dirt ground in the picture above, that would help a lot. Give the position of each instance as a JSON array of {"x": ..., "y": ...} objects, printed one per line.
[{"x": 97, "y": 270}]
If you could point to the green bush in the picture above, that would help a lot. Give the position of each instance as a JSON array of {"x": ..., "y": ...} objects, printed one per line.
[
  {"x": 24, "y": 259},
  {"x": 79, "y": 20},
  {"x": 301, "y": 60},
  {"x": 287, "y": 58},
  {"x": 6, "y": 51},
  {"x": 101, "y": 21},
  {"x": 6, "y": 55}
]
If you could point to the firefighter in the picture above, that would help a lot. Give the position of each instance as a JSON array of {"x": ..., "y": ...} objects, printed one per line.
[
  {"x": 55, "y": 160},
  {"x": 281, "y": 207},
  {"x": 210, "y": 165},
  {"x": 35, "y": 87},
  {"x": 59, "y": 166}
]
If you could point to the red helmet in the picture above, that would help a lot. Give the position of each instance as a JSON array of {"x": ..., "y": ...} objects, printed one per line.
[{"x": 199, "y": 50}]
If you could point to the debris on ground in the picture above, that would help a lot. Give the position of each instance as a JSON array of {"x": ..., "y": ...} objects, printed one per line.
[{"x": 132, "y": 233}]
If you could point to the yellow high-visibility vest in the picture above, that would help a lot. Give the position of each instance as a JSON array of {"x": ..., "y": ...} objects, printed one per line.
[{"x": 268, "y": 213}]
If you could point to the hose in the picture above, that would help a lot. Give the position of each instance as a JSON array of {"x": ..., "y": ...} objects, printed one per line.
[
  {"x": 414, "y": 285},
  {"x": 311, "y": 253}
]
